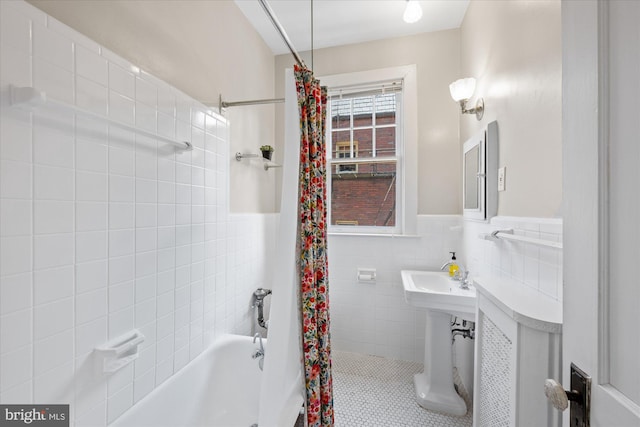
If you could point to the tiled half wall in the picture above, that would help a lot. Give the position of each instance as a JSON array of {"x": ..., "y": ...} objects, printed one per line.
[
  {"x": 374, "y": 318},
  {"x": 524, "y": 264}
]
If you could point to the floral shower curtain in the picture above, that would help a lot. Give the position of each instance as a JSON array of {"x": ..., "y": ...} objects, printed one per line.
[{"x": 312, "y": 232}]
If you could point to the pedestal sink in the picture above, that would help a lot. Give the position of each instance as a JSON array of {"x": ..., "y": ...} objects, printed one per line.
[{"x": 443, "y": 298}]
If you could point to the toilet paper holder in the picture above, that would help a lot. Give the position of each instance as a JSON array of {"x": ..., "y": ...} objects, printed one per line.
[{"x": 367, "y": 275}]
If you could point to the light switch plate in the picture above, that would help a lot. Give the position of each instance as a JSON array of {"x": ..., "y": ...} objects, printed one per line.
[{"x": 502, "y": 172}]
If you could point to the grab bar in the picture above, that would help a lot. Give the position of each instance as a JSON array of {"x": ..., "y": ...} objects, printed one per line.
[{"x": 508, "y": 235}]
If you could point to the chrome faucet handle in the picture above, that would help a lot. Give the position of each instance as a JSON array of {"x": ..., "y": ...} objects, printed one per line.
[
  {"x": 464, "y": 280},
  {"x": 460, "y": 274}
]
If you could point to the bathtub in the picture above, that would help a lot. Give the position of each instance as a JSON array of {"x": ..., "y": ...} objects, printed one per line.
[{"x": 219, "y": 388}]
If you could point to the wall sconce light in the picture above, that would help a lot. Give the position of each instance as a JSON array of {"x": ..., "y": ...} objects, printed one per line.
[
  {"x": 412, "y": 12},
  {"x": 461, "y": 90}
]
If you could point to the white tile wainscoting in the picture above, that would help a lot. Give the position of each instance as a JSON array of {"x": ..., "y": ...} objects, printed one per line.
[
  {"x": 374, "y": 318},
  {"x": 526, "y": 264},
  {"x": 103, "y": 231}
]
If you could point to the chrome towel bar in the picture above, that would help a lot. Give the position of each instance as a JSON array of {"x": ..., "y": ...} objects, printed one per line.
[
  {"x": 31, "y": 98},
  {"x": 508, "y": 235}
]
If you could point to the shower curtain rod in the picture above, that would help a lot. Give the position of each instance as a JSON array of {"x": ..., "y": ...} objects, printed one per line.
[
  {"x": 274, "y": 20},
  {"x": 225, "y": 104},
  {"x": 283, "y": 33}
]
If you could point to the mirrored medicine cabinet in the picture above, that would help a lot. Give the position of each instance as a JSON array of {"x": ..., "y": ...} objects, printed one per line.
[{"x": 480, "y": 174}]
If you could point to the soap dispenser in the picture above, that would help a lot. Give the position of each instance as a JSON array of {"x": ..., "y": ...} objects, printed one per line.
[{"x": 453, "y": 265}]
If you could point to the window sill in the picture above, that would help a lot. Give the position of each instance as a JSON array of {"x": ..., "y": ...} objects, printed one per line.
[{"x": 402, "y": 236}]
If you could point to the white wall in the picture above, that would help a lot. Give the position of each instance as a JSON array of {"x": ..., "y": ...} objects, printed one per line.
[
  {"x": 102, "y": 231},
  {"x": 436, "y": 56},
  {"x": 514, "y": 50},
  {"x": 205, "y": 49}
]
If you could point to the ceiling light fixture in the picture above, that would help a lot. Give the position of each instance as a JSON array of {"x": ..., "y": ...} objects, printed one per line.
[
  {"x": 413, "y": 12},
  {"x": 461, "y": 90}
]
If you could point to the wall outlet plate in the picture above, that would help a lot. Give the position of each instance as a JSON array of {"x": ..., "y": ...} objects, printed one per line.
[{"x": 502, "y": 172}]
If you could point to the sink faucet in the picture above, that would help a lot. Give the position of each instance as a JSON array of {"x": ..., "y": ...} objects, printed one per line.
[
  {"x": 259, "y": 352},
  {"x": 446, "y": 264},
  {"x": 461, "y": 275}
]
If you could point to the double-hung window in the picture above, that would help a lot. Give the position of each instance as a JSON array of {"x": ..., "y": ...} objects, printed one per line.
[{"x": 364, "y": 137}]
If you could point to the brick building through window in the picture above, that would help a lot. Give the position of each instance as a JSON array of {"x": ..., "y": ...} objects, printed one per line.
[{"x": 364, "y": 128}]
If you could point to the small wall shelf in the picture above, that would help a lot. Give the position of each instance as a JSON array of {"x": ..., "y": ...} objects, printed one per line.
[
  {"x": 268, "y": 164},
  {"x": 119, "y": 352},
  {"x": 240, "y": 156}
]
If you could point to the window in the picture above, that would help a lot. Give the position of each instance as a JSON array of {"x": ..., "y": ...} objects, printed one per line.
[
  {"x": 364, "y": 136},
  {"x": 372, "y": 134}
]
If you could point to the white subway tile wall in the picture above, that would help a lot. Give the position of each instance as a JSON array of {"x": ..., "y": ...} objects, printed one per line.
[
  {"x": 374, "y": 318},
  {"x": 103, "y": 231},
  {"x": 525, "y": 264}
]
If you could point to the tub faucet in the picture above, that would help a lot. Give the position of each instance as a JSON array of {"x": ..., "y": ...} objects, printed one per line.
[
  {"x": 258, "y": 302},
  {"x": 259, "y": 352}
]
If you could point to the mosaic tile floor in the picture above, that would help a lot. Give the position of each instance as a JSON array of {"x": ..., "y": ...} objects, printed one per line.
[{"x": 372, "y": 391}]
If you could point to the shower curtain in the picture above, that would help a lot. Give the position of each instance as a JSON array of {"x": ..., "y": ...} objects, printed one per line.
[
  {"x": 312, "y": 249},
  {"x": 282, "y": 387}
]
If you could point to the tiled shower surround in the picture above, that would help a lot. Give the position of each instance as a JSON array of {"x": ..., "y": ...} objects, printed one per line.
[{"x": 103, "y": 231}]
